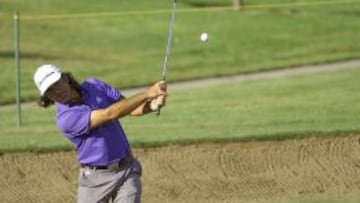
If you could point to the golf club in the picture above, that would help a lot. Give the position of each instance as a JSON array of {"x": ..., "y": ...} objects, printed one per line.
[{"x": 168, "y": 45}]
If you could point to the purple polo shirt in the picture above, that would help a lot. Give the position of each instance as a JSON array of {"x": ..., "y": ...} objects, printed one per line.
[{"x": 100, "y": 146}]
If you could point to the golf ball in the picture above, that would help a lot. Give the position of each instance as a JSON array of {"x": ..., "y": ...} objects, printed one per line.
[{"x": 204, "y": 37}]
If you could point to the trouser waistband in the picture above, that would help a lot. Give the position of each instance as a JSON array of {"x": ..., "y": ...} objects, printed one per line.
[{"x": 119, "y": 164}]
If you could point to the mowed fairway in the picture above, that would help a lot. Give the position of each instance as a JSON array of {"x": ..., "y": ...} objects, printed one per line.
[{"x": 320, "y": 104}]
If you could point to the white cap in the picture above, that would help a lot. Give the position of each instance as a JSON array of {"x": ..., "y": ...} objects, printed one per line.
[{"x": 45, "y": 76}]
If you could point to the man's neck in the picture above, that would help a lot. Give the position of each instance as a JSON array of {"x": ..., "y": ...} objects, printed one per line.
[{"x": 76, "y": 98}]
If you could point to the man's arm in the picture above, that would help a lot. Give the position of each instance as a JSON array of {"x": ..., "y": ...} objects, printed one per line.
[
  {"x": 149, "y": 106},
  {"x": 126, "y": 106},
  {"x": 143, "y": 109}
]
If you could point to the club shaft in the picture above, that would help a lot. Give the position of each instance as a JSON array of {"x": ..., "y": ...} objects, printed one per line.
[
  {"x": 169, "y": 40},
  {"x": 168, "y": 46}
]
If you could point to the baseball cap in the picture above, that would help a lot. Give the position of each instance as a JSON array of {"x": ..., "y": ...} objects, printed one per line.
[{"x": 45, "y": 76}]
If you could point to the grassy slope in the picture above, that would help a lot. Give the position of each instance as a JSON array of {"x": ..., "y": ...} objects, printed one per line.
[
  {"x": 267, "y": 109},
  {"x": 127, "y": 50}
]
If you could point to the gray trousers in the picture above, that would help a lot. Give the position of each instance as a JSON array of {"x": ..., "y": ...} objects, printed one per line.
[{"x": 116, "y": 184}]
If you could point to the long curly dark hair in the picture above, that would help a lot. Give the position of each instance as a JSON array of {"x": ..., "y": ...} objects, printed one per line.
[{"x": 45, "y": 101}]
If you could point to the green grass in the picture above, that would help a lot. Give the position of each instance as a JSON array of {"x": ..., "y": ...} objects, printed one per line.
[
  {"x": 128, "y": 50},
  {"x": 321, "y": 104}
]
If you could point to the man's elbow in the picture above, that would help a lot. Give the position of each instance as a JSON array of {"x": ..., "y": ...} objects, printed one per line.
[{"x": 100, "y": 117}]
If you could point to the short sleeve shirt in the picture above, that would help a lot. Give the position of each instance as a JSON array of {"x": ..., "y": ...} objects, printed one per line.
[{"x": 103, "y": 145}]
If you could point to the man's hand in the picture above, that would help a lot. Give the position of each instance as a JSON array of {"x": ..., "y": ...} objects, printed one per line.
[
  {"x": 158, "y": 102},
  {"x": 160, "y": 90},
  {"x": 156, "y": 90},
  {"x": 155, "y": 99}
]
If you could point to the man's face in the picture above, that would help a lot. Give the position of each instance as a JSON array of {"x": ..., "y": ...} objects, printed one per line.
[{"x": 60, "y": 91}]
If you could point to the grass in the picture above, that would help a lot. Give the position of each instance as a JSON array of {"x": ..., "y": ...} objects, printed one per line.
[
  {"x": 321, "y": 104},
  {"x": 127, "y": 50}
]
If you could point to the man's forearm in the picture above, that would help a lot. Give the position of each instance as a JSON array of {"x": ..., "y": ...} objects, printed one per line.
[
  {"x": 116, "y": 110},
  {"x": 126, "y": 106},
  {"x": 143, "y": 109}
]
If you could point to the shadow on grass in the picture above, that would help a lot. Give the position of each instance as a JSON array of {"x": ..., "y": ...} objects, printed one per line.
[{"x": 11, "y": 54}]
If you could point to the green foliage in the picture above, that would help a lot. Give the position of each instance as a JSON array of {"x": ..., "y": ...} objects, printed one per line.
[{"x": 123, "y": 42}]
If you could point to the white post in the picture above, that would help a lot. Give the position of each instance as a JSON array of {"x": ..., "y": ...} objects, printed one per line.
[
  {"x": 237, "y": 4},
  {"x": 17, "y": 64}
]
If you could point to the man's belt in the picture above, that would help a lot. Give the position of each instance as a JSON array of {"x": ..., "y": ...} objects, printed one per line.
[{"x": 118, "y": 164}]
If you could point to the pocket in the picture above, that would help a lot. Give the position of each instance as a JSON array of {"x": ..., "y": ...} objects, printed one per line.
[
  {"x": 93, "y": 178},
  {"x": 86, "y": 177}
]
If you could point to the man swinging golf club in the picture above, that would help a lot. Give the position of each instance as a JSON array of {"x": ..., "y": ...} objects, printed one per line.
[{"x": 87, "y": 114}]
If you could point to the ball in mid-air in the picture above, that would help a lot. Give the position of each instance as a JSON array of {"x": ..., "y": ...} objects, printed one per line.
[{"x": 204, "y": 37}]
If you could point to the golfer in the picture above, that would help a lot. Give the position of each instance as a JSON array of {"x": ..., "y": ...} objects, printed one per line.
[{"x": 87, "y": 114}]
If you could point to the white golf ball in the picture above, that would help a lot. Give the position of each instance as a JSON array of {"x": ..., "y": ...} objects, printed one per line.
[{"x": 204, "y": 37}]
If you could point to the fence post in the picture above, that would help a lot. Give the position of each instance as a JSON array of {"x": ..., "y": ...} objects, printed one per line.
[{"x": 17, "y": 64}]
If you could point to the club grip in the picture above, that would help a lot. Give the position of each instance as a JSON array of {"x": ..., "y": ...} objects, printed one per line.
[
  {"x": 157, "y": 112},
  {"x": 163, "y": 77}
]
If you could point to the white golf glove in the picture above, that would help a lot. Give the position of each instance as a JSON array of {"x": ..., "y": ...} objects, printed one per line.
[{"x": 157, "y": 103}]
